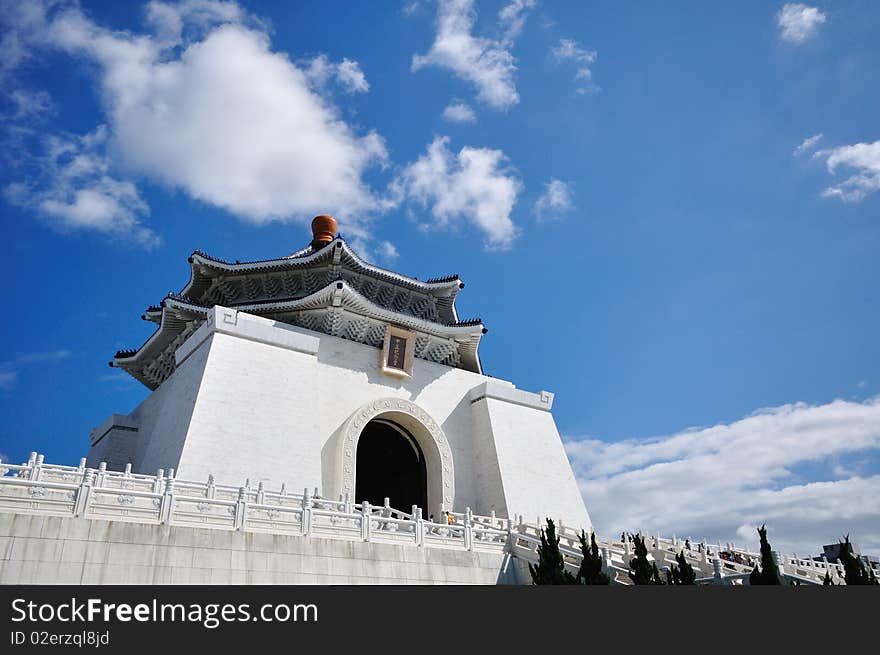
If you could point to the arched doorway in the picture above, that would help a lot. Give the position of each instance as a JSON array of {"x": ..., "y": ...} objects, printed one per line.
[
  {"x": 390, "y": 464},
  {"x": 418, "y": 424}
]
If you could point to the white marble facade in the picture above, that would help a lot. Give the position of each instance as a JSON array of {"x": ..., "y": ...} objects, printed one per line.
[{"x": 253, "y": 397}]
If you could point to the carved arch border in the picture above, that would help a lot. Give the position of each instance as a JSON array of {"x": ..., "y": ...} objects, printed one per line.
[{"x": 353, "y": 427}]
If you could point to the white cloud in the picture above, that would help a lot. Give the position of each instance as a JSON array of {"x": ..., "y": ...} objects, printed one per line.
[
  {"x": 807, "y": 144},
  {"x": 459, "y": 112},
  {"x": 74, "y": 189},
  {"x": 486, "y": 63},
  {"x": 187, "y": 20},
  {"x": 718, "y": 482},
  {"x": 9, "y": 369},
  {"x": 864, "y": 159},
  {"x": 347, "y": 73},
  {"x": 201, "y": 103},
  {"x": 512, "y": 17},
  {"x": 383, "y": 252},
  {"x": 388, "y": 251},
  {"x": 570, "y": 51},
  {"x": 351, "y": 77},
  {"x": 798, "y": 22},
  {"x": 474, "y": 185},
  {"x": 42, "y": 357},
  {"x": 117, "y": 377},
  {"x": 18, "y": 20},
  {"x": 27, "y": 105},
  {"x": 556, "y": 200}
]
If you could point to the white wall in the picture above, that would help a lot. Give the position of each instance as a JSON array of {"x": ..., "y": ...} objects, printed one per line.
[
  {"x": 62, "y": 550},
  {"x": 253, "y": 398},
  {"x": 537, "y": 477}
]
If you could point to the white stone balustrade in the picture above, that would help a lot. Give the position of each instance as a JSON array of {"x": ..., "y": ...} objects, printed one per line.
[
  {"x": 39, "y": 488},
  {"x": 49, "y": 489}
]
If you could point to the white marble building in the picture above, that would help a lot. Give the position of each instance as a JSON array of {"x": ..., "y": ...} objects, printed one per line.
[{"x": 321, "y": 371}]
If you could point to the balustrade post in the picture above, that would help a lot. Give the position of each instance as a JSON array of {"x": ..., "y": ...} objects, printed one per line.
[
  {"x": 168, "y": 498},
  {"x": 306, "y": 513},
  {"x": 102, "y": 471},
  {"x": 365, "y": 521},
  {"x": 468, "y": 529},
  {"x": 37, "y": 469},
  {"x": 347, "y": 505},
  {"x": 127, "y": 472},
  {"x": 626, "y": 547},
  {"x": 157, "y": 481},
  {"x": 82, "y": 464},
  {"x": 261, "y": 493},
  {"x": 420, "y": 526},
  {"x": 606, "y": 561},
  {"x": 84, "y": 493},
  {"x": 241, "y": 509},
  {"x": 210, "y": 489},
  {"x": 718, "y": 571}
]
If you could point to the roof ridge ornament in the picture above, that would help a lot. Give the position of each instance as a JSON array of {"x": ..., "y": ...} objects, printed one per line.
[{"x": 324, "y": 229}]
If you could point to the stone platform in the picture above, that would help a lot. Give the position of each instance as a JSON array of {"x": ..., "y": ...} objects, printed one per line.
[{"x": 66, "y": 550}]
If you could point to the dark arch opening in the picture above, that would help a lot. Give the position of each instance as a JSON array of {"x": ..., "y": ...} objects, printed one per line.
[{"x": 390, "y": 464}]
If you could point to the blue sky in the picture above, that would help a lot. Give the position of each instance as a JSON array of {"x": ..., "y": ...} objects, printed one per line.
[{"x": 668, "y": 214}]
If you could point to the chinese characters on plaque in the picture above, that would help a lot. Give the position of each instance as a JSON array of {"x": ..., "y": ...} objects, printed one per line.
[{"x": 397, "y": 352}]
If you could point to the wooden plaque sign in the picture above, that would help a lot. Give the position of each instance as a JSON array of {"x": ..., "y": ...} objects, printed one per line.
[{"x": 397, "y": 352}]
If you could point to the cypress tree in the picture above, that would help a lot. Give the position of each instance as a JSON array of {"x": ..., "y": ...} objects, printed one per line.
[
  {"x": 550, "y": 568},
  {"x": 642, "y": 571},
  {"x": 827, "y": 580},
  {"x": 853, "y": 567},
  {"x": 590, "y": 571},
  {"x": 683, "y": 574},
  {"x": 768, "y": 573}
]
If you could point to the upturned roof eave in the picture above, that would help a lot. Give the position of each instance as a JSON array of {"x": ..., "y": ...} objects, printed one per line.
[
  {"x": 473, "y": 329},
  {"x": 323, "y": 297},
  {"x": 441, "y": 287}
]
